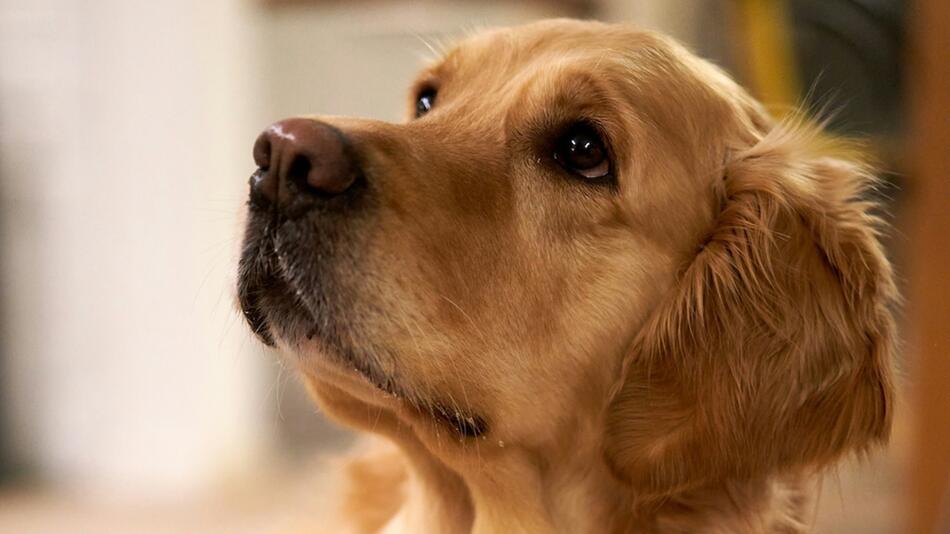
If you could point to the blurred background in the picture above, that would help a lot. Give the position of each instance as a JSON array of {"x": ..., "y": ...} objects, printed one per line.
[{"x": 133, "y": 398}]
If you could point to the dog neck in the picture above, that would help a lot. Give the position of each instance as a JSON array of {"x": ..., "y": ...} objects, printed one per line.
[
  {"x": 565, "y": 485},
  {"x": 516, "y": 491},
  {"x": 520, "y": 491}
]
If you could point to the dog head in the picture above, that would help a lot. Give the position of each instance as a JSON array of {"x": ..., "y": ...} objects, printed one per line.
[{"x": 582, "y": 234}]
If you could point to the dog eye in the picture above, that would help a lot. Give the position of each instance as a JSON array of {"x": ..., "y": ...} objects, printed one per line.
[
  {"x": 424, "y": 102},
  {"x": 581, "y": 151}
]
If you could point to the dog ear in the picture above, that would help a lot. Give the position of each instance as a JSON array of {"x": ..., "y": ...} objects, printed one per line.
[{"x": 773, "y": 351}]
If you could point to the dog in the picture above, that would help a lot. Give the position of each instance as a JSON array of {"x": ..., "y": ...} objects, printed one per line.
[{"x": 590, "y": 285}]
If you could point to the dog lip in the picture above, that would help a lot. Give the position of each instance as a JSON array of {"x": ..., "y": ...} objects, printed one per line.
[
  {"x": 249, "y": 298},
  {"x": 262, "y": 282},
  {"x": 466, "y": 424},
  {"x": 256, "y": 272}
]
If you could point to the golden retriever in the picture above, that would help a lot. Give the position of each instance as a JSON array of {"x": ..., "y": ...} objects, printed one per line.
[{"x": 589, "y": 286}]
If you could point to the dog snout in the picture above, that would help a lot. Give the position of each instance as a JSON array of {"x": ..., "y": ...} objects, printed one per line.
[{"x": 301, "y": 161}]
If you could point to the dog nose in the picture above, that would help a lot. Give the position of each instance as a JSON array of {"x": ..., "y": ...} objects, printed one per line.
[{"x": 300, "y": 161}]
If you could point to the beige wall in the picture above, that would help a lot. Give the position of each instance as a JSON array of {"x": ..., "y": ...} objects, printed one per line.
[{"x": 122, "y": 143}]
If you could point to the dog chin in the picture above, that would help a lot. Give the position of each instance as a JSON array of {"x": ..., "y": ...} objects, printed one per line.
[
  {"x": 360, "y": 376},
  {"x": 281, "y": 319}
]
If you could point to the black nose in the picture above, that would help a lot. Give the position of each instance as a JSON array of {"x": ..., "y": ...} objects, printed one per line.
[{"x": 300, "y": 161}]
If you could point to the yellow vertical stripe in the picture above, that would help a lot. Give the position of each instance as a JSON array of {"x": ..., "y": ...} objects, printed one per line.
[{"x": 769, "y": 53}]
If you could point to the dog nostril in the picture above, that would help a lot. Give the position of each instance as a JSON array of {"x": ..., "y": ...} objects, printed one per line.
[
  {"x": 299, "y": 170},
  {"x": 263, "y": 183},
  {"x": 261, "y": 151}
]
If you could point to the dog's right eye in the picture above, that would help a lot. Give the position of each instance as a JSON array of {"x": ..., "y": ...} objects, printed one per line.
[{"x": 425, "y": 101}]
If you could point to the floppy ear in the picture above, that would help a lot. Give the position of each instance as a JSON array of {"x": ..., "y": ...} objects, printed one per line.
[{"x": 773, "y": 352}]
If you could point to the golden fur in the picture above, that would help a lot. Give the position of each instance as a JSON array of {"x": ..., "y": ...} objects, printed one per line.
[{"x": 680, "y": 354}]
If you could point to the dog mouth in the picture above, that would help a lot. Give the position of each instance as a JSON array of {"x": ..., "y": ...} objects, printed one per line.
[
  {"x": 281, "y": 295},
  {"x": 285, "y": 295}
]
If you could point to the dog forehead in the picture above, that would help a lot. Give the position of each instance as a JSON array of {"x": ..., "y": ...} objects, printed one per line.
[
  {"x": 501, "y": 61},
  {"x": 520, "y": 46}
]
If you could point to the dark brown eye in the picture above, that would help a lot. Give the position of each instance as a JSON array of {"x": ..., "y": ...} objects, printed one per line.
[
  {"x": 581, "y": 151},
  {"x": 425, "y": 101}
]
